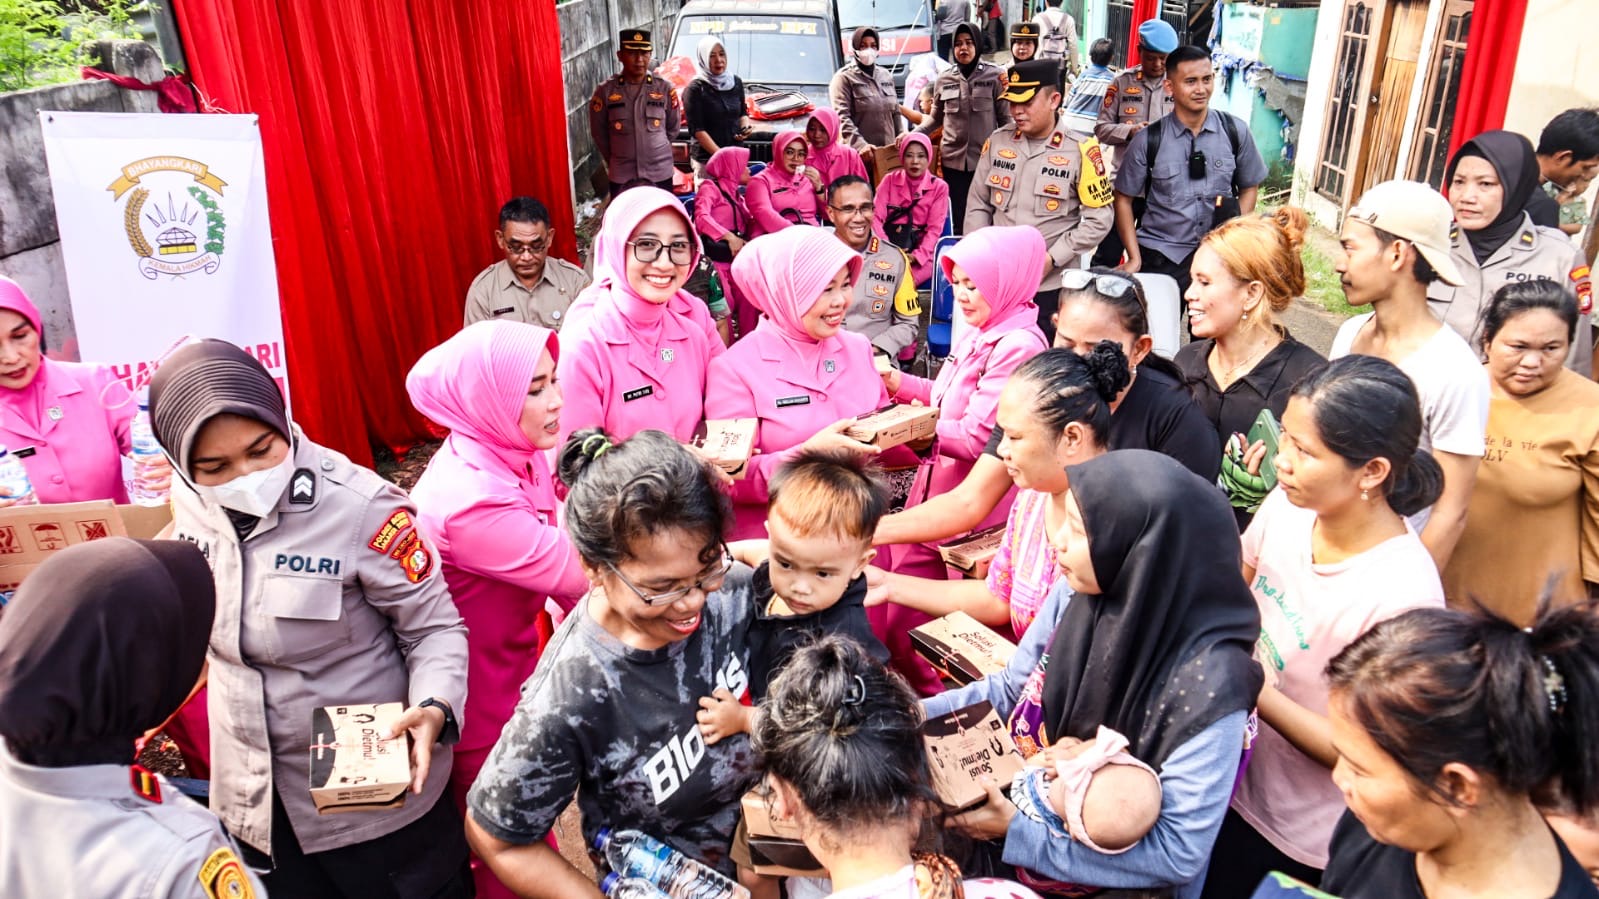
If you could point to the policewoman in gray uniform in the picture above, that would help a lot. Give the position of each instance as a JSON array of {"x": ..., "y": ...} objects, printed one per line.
[
  {"x": 102, "y": 643},
  {"x": 327, "y": 594}
]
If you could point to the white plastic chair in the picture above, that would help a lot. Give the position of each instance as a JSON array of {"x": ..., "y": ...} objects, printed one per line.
[{"x": 1165, "y": 312}]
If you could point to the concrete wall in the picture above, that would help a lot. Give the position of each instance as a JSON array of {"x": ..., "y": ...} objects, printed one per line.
[
  {"x": 588, "y": 57},
  {"x": 30, "y": 246},
  {"x": 1555, "y": 68}
]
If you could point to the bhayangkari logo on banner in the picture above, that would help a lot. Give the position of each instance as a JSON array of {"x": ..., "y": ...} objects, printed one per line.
[{"x": 173, "y": 221}]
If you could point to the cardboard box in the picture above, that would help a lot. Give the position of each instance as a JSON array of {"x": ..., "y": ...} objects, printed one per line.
[
  {"x": 775, "y": 846},
  {"x": 962, "y": 647},
  {"x": 30, "y": 534},
  {"x": 895, "y": 424},
  {"x": 967, "y": 744},
  {"x": 884, "y": 160},
  {"x": 353, "y": 767},
  {"x": 971, "y": 554},
  {"x": 729, "y": 443}
]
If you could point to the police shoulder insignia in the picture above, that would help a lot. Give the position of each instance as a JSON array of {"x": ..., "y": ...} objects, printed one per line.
[
  {"x": 144, "y": 783},
  {"x": 872, "y": 246},
  {"x": 1056, "y": 139},
  {"x": 302, "y": 487},
  {"x": 384, "y": 538},
  {"x": 1527, "y": 238},
  {"x": 222, "y": 876},
  {"x": 985, "y": 146}
]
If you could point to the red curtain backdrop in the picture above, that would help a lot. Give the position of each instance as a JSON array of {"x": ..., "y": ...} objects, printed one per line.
[
  {"x": 1143, "y": 11},
  {"x": 1490, "y": 63},
  {"x": 393, "y": 131}
]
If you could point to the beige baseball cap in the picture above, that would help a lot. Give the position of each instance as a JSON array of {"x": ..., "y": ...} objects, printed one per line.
[{"x": 1413, "y": 211}]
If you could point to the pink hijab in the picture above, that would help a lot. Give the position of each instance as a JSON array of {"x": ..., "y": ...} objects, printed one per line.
[
  {"x": 622, "y": 218},
  {"x": 779, "y": 144},
  {"x": 835, "y": 159},
  {"x": 921, "y": 184},
  {"x": 27, "y": 403},
  {"x": 727, "y": 167},
  {"x": 1005, "y": 263},
  {"x": 476, "y": 382},
  {"x": 14, "y": 298},
  {"x": 784, "y": 273}
]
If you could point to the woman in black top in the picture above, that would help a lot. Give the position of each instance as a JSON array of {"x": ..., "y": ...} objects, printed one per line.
[
  {"x": 1241, "y": 361},
  {"x": 713, "y": 103},
  {"x": 1448, "y": 725}
]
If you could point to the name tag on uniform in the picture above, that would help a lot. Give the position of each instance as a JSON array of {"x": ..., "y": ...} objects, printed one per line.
[
  {"x": 25, "y": 452},
  {"x": 801, "y": 400},
  {"x": 504, "y": 310},
  {"x": 637, "y": 393}
]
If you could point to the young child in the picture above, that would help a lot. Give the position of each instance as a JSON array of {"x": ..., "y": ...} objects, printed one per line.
[
  {"x": 1093, "y": 792},
  {"x": 810, "y": 580}
]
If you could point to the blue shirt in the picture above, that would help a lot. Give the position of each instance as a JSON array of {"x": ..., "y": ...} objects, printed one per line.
[
  {"x": 1179, "y": 208},
  {"x": 1088, "y": 94}
]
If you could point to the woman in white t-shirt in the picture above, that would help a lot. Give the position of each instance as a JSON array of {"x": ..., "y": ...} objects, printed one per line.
[{"x": 1328, "y": 556}]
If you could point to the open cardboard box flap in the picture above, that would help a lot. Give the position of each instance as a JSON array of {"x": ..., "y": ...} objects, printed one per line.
[{"x": 30, "y": 534}]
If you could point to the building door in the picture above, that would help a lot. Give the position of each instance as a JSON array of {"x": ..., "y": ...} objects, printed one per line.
[
  {"x": 1378, "y": 49},
  {"x": 1431, "y": 154}
]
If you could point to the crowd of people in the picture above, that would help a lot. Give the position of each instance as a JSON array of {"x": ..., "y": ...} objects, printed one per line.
[{"x": 1273, "y": 612}]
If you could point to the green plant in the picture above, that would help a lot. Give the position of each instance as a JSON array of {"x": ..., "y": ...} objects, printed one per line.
[
  {"x": 1322, "y": 285},
  {"x": 43, "y": 41}
]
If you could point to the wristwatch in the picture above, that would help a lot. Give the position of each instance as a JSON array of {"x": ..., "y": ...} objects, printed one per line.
[{"x": 451, "y": 734}]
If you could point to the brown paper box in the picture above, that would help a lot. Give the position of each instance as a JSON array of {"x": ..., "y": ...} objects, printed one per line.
[
  {"x": 967, "y": 744},
  {"x": 31, "y": 534},
  {"x": 775, "y": 846},
  {"x": 894, "y": 425},
  {"x": 884, "y": 160},
  {"x": 971, "y": 554},
  {"x": 729, "y": 443},
  {"x": 353, "y": 768},
  {"x": 962, "y": 647}
]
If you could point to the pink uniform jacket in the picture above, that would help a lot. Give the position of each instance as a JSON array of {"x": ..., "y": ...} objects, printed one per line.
[
  {"x": 793, "y": 384},
  {"x": 59, "y": 426},
  {"x": 928, "y": 202},
  {"x": 834, "y": 160},
  {"x": 779, "y": 200},
  {"x": 718, "y": 211},
  {"x": 627, "y": 364}
]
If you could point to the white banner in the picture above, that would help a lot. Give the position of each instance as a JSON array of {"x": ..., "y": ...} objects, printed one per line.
[{"x": 164, "y": 232}]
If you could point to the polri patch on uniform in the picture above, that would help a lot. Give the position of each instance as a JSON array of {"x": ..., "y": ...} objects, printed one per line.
[
  {"x": 302, "y": 487},
  {"x": 999, "y": 198},
  {"x": 803, "y": 399},
  {"x": 614, "y": 98},
  {"x": 418, "y": 562},
  {"x": 1131, "y": 110},
  {"x": 1134, "y": 90},
  {"x": 1052, "y": 189},
  {"x": 406, "y": 545},
  {"x": 1058, "y": 159},
  {"x": 616, "y": 126},
  {"x": 222, "y": 876},
  {"x": 637, "y": 393},
  {"x": 884, "y": 265},
  {"x": 882, "y": 291},
  {"x": 1051, "y": 205},
  {"x": 1007, "y": 153},
  {"x": 595, "y": 105},
  {"x": 1110, "y": 97},
  {"x": 878, "y": 306},
  {"x": 397, "y": 523}
]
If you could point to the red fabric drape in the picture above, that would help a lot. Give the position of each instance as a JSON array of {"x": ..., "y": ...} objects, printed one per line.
[
  {"x": 393, "y": 131},
  {"x": 1143, "y": 11},
  {"x": 1485, "y": 78}
]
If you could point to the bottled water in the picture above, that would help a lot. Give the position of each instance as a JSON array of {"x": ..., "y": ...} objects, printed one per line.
[
  {"x": 634, "y": 855},
  {"x": 147, "y": 491},
  {"x": 618, "y": 887},
  {"x": 15, "y": 478}
]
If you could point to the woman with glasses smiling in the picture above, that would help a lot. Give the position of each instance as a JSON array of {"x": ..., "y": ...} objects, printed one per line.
[
  {"x": 787, "y": 192},
  {"x": 610, "y": 712},
  {"x": 636, "y": 346}
]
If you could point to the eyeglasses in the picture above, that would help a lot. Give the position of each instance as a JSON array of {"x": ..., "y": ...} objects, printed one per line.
[
  {"x": 1107, "y": 284},
  {"x": 795, "y": 150},
  {"x": 705, "y": 584},
  {"x": 851, "y": 211},
  {"x": 536, "y": 248},
  {"x": 648, "y": 249}
]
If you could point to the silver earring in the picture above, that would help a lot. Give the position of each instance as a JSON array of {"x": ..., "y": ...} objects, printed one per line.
[{"x": 1365, "y": 495}]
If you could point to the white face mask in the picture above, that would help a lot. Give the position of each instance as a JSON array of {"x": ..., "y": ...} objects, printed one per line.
[
  {"x": 256, "y": 493},
  {"x": 866, "y": 55}
]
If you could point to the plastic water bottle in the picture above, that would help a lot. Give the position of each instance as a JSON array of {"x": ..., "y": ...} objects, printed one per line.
[
  {"x": 618, "y": 887},
  {"x": 15, "y": 478},
  {"x": 146, "y": 449},
  {"x": 634, "y": 855}
]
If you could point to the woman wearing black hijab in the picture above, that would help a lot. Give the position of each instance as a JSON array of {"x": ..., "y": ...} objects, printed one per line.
[
  {"x": 327, "y": 594},
  {"x": 863, "y": 95},
  {"x": 101, "y": 644},
  {"x": 1495, "y": 242},
  {"x": 1156, "y": 645}
]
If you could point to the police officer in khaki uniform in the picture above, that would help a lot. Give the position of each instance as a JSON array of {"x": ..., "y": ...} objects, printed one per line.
[
  {"x": 966, "y": 105},
  {"x": 1134, "y": 100},
  {"x": 527, "y": 285},
  {"x": 327, "y": 594},
  {"x": 1534, "y": 253},
  {"x": 102, "y": 643},
  {"x": 863, "y": 95},
  {"x": 885, "y": 307},
  {"x": 633, "y": 117},
  {"x": 1023, "y": 41},
  {"x": 1034, "y": 174}
]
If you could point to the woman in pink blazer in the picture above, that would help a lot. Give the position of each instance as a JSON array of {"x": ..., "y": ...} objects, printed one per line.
[
  {"x": 914, "y": 202},
  {"x": 800, "y": 375},
  {"x": 488, "y": 503},
  {"x": 66, "y": 422},
  {"x": 635, "y": 346},
  {"x": 788, "y": 192},
  {"x": 995, "y": 272},
  {"x": 721, "y": 216},
  {"x": 831, "y": 158}
]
